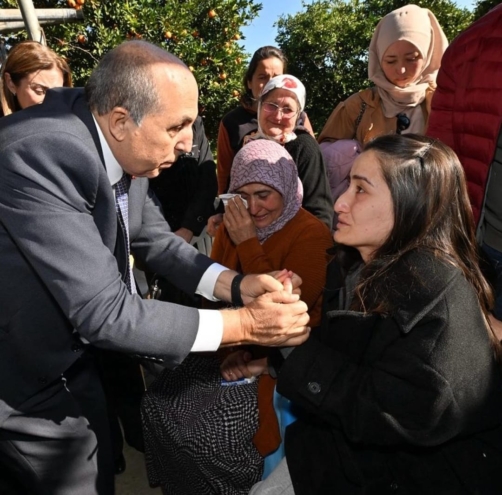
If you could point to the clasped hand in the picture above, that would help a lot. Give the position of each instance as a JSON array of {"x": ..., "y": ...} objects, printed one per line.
[{"x": 273, "y": 314}]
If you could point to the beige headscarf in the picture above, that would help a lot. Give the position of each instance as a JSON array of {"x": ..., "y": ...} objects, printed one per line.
[{"x": 420, "y": 27}]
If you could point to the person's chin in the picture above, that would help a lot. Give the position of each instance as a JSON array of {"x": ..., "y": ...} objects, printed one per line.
[
  {"x": 261, "y": 224},
  {"x": 403, "y": 84},
  {"x": 274, "y": 132},
  {"x": 338, "y": 235},
  {"x": 151, "y": 174}
]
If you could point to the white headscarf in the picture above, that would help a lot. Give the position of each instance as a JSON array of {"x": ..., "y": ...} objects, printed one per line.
[
  {"x": 290, "y": 83},
  {"x": 420, "y": 27}
]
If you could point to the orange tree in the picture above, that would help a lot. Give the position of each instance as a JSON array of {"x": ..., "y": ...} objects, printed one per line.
[{"x": 203, "y": 33}]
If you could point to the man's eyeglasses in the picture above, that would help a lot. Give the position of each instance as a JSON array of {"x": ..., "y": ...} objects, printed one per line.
[
  {"x": 270, "y": 107},
  {"x": 403, "y": 122}
]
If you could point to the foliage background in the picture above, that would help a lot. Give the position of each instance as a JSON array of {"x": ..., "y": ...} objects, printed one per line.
[
  {"x": 326, "y": 43},
  {"x": 203, "y": 33}
]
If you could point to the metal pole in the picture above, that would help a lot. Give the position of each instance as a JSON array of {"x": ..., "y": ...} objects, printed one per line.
[
  {"x": 35, "y": 32},
  {"x": 11, "y": 19},
  {"x": 61, "y": 15}
]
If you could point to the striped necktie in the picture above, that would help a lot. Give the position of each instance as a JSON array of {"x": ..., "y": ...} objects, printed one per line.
[{"x": 122, "y": 207}]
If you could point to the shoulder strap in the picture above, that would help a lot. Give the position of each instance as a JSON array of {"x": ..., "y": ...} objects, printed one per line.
[{"x": 360, "y": 116}]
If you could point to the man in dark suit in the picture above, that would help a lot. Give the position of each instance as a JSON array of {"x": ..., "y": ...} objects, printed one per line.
[{"x": 65, "y": 276}]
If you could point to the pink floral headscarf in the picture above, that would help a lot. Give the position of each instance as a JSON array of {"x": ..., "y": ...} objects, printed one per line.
[{"x": 267, "y": 162}]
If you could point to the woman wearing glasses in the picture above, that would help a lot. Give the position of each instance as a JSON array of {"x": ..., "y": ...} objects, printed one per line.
[
  {"x": 29, "y": 71},
  {"x": 404, "y": 58},
  {"x": 281, "y": 103},
  {"x": 280, "y": 106},
  {"x": 266, "y": 63}
]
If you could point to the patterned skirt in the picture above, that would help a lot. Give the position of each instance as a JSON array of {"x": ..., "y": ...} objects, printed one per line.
[{"x": 198, "y": 434}]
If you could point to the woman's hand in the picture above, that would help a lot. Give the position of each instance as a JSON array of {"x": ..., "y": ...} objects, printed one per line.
[
  {"x": 238, "y": 221},
  {"x": 213, "y": 223},
  {"x": 240, "y": 364},
  {"x": 184, "y": 234}
]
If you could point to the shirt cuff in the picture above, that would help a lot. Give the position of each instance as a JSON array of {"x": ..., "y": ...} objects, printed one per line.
[
  {"x": 208, "y": 281},
  {"x": 210, "y": 331}
]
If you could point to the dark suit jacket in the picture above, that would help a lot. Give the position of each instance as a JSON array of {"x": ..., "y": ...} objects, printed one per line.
[
  {"x": 406, "y": 403},
  {"x": 61, "y": 262},
  {"x": 187, "y": 190}
]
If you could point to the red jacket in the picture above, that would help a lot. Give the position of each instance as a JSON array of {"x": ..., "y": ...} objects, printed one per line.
[{"x": 467, "y": 104}]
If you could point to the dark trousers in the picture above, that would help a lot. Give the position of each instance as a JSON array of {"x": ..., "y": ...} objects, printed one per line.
[
  {"x": 58, "y": 443},
  {"x": 124, "y": 387}
]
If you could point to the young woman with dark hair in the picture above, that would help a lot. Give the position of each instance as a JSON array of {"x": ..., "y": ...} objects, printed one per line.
[{"x": 398, "y": 390}]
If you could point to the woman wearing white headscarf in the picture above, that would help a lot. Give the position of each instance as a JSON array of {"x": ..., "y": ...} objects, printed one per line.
[
  {"x": 281, "y": 103},
  {"x": 404, "y": 58}
]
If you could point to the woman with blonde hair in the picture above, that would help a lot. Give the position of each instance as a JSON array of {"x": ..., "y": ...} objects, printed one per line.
[{"x": 29, "y": 71}]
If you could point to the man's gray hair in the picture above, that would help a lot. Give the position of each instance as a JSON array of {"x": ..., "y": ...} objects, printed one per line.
[{"x": 123, "y": 78}]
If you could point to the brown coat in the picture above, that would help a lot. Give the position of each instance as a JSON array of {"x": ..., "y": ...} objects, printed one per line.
[
  {"x": 299, "y": 246},
  {"x": 342, "y": 121}
]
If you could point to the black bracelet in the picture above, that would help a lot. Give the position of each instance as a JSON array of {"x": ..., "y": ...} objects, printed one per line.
[{"x": 235, "y": 290}]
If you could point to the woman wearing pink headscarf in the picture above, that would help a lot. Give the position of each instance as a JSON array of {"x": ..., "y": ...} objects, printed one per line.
[
  {"x": 404, "y": 58},
  {"x": 202, "y": 436},
  {"x": 273, "y": 232}
]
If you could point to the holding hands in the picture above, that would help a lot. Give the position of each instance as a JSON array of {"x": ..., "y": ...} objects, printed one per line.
[{"x": 273, "y": 314}]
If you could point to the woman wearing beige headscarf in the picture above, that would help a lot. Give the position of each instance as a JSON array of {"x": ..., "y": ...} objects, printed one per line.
[{"x": 404, "y": 58}]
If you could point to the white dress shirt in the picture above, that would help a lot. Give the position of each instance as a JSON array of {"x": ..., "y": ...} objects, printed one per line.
[{"x": 210, "y": 331}]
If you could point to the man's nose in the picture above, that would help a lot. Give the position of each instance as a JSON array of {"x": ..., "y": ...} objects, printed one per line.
[{"x": 186, "y": 141}]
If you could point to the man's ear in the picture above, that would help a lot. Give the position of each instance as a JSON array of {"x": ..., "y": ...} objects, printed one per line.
[{"x": 119, "y": 121}]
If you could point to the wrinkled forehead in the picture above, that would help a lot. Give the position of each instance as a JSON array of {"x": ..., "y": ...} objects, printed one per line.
[
  {"x": 283, "y": 95},
  {"x": 175, "y": 85},
  {"x": 266, "y": 162}
]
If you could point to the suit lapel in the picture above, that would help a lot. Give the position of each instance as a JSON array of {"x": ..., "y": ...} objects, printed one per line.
[{"x": 113, "y": 234}]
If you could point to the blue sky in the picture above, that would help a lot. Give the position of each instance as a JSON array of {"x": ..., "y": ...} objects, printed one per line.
[{"x": 262, "y": 31}]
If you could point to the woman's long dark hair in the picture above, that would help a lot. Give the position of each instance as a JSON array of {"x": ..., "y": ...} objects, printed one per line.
[
  {"x": 262, "y": 53},
  {"x": 431, "y": 212}
]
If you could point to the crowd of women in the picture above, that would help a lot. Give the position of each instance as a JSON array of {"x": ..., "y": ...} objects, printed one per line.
[{"x": 398, "y": 388}]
